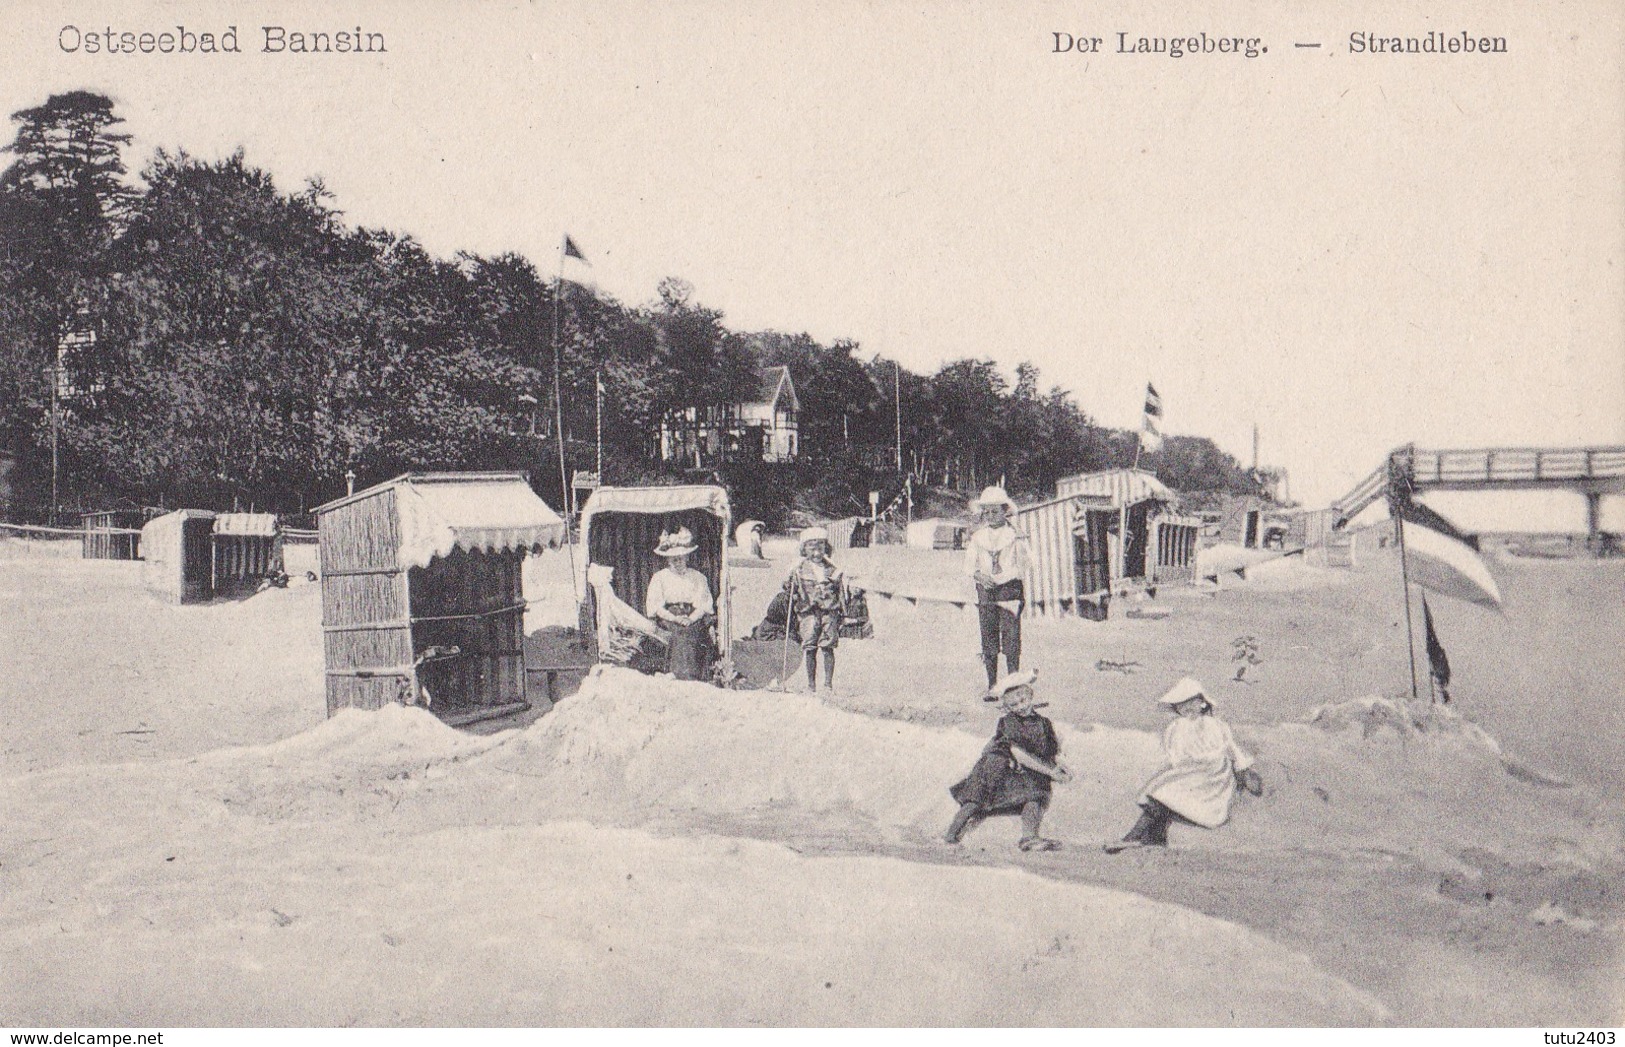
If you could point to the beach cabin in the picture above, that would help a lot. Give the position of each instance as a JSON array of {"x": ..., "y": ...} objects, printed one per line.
[
  {"x": 178, "y": 550},
  {"x": 1174, "y": 540},
  {"x": 1241, "y": 520},
  {"x": 422, "y": 599},
  {"x": 937, "y": 533},
  {"x": 1142, "y": 504},
  {"x": 244, "y": 550},
  {"x": 1078, "y": 552},
  {"x": 112, "y": 534},
  {"x": 1309, "y": 527},
  {"x": 620, "y": 527},
  {"x": 195, "y": 554},
  {"x": 851, "y": 532}
]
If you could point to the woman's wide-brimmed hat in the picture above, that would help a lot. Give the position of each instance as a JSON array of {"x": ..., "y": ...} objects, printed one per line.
[
  {"x": 1009, "y": 682},
  {"x": 676, "y": 543},
  {"x": 993, "y": 496},
  {"x": 1183, "y": 691}
]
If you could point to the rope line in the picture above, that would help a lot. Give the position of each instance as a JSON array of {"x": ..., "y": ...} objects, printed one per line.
[{"x": 520, "y": 606}]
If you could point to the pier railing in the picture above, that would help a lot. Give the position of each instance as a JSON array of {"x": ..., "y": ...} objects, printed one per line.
[
  {"x": 1593, "y": 471},
  {"x": 1581, "y": 468}
]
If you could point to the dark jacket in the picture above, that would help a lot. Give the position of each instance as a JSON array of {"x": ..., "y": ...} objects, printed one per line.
[{"x": 998, "y": 784}]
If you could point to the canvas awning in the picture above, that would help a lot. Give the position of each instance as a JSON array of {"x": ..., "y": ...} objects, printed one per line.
[
  {"x": 172, "y": 521},
  {"x": 713, "y": 500},
  {"x": 1122, "y": 486},
  {"x": 248, "y": 525},
  {"x": 488, "y": 515}
]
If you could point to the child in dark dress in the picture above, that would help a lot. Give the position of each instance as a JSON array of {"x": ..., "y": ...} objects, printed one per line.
[{"x": 1014, "y": 772}]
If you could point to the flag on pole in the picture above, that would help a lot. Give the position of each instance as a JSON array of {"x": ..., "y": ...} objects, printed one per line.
[
  {"x": 574, "y": 272},
  {"x": 1441, "y": 558},
  {"x": 1438, "y": 661},
  {"x": 1151, "y": 428}
]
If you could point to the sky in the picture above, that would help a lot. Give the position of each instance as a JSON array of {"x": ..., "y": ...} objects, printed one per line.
[{"x": 1352, "y": 252}]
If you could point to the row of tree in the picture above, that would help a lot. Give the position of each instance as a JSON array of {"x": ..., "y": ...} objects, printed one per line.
[{"x": 202, "y": 337}]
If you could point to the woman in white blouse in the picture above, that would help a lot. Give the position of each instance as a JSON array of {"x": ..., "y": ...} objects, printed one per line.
[{"x": 680, "y": 602}]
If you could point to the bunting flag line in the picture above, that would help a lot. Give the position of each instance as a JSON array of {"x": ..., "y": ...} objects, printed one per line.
[
  {"x": 896, "y": 504},
  {"x": 1151, "y": 427},
  {"x": 1438, "y": 661},
  {"x": 915, "y": 601},
  {"x": 1064, "y": 605},
  {"x": 1443, "y": 559}
]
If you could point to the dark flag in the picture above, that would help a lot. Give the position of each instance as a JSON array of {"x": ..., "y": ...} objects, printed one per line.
[
  {"x": 1438, "y": 661},
  {"x": 572, "y": 251}
]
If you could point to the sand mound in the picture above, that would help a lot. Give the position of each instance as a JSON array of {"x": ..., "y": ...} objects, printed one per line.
[
  {"x": 1374, "y": 716},
  {"x": 1365, "y": 776},
  {"x": 394, "y": 849},
  {"x": 644, "y": 743},
  {"x": 357, "y": 764}
]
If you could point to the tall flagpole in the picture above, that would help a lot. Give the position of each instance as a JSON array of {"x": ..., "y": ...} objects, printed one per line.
[
  {"x": 1139, "y": 440},
  {"x": 1404, "y": 575},
  {"x": 558, "y": 417},
  {"x": 897, "y": 404},
  {"x": 55, "y": 374}
]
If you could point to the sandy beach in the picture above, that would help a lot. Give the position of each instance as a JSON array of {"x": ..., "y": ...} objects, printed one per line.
[{"x": 190, "y": 841}]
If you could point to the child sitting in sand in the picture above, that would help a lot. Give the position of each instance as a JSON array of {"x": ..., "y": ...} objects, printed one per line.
[
  {"x": 1205, "y": 766},
  {"x": 1014, "y": 772}
]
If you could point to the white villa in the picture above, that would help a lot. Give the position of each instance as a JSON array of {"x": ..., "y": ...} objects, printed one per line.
[{"x": 764, "y": 428}]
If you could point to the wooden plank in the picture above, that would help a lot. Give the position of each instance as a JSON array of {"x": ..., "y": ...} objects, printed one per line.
[{"x": 492, "y": 712}]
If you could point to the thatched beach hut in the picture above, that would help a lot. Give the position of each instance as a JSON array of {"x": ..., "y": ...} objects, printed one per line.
[{"x": 422, "y": 599}]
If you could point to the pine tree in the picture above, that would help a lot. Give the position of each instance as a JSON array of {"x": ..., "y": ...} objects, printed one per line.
[{"x": 61, "y": 202}]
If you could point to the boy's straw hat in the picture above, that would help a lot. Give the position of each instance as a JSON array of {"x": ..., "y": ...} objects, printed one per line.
[
  {"x": 993, "y": 496},
  {"x": 1019, "y": 678},
  {"x": 677, "y": 543}
]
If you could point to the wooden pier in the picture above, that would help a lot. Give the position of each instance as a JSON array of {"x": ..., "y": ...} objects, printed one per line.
[{"x": 1589, "y": 471}]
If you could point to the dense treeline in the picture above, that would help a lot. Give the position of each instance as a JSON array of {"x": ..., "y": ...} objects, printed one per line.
[{"x": 231, "y": 343}]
